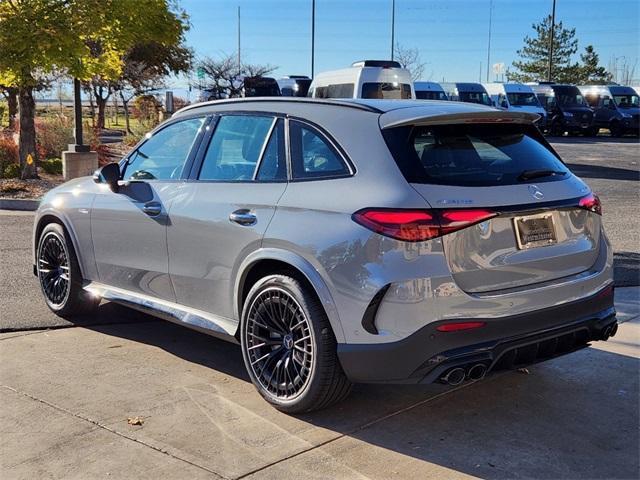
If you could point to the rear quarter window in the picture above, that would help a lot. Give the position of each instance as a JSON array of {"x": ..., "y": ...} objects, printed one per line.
[{"x": 471, "y": 155}]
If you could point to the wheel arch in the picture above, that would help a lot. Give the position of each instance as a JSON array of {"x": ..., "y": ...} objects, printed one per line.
[
  {"x": 45, "y": 218},
  {"x": 272, "y": 260}
]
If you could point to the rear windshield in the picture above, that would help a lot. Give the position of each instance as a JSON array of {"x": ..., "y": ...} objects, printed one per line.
[
  {"x": 472, "y": 155},
  {"x": 430, "y": 95},
  {"x": 386, "y": 90}
]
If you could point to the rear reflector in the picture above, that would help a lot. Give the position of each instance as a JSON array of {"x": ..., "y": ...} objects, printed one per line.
[
  {"x": 457, "y": 326},
  {"x": 419, "y": 225},
  {"x": 592, "y": 203}
]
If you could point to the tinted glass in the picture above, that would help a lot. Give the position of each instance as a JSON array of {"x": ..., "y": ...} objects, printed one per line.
[
  {"x": 273, "y": 165},
  {"x": 569, "y": 97},
  {"x": 624, "y": 101},
  {"x": 235, "y": 148},
  {"x": 523, "y": 100},
  {"x": 430, "y": 95},
  {"x": 470, "y": 155},
  {"x": 311, "y": 154},
  {"x": 162, "y": 157},
  {"x": 338, "y": 90},
  {"x": 386, "y": 90},
  {"x": 475, "y": 97}
]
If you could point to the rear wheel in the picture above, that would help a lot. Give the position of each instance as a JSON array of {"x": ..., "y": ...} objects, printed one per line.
[
  {"x": 616, "y": 129},
  {"x": 59, "y": 274},
  {"x": 289, "y": 348}
]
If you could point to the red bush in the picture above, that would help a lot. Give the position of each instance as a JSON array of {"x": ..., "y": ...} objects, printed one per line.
[{"x": 8, "y": 150}]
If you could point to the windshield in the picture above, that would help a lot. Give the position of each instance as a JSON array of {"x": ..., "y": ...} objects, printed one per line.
[
  {"x": 475, "y": 97},
  {"x": 626, "y": 101},
  {"x": 430, "y": 95},
  {"x": 471, "y": 155},
  {"x": 570, "y": 97},
  {"x": 386, "y": 90},
  {"x": 523, "y": 100}
]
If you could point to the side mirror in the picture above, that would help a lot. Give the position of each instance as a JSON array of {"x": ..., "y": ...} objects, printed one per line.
[
  {"x": 109, "y": 174},
  {"x": 504, "y": 105}
]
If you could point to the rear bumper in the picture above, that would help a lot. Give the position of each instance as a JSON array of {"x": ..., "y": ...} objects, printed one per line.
[{"x": 504, "y": 342}]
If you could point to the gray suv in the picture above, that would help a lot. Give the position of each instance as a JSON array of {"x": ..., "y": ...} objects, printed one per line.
[{"x": 341, "y": 241}]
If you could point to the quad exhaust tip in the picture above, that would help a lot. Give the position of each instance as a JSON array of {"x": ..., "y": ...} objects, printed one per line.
[
  {"x": 454, "y": 377},
  {"x": 477, "y": 371}
]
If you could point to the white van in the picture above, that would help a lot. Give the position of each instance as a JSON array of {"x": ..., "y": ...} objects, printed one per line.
[
  {"x": 429, "y": 91},
  {"x": 516, "y": 97},
  {"x": 365, "y": 79},
  {"x": 467, "y": 92}
]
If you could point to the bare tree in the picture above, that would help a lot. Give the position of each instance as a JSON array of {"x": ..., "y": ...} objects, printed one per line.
[
  {"x": 410, "y": 59},
  {"x": 223, "y": 78}
]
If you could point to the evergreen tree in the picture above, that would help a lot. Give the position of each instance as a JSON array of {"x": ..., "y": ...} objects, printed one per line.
[{"x": 590, "y": 70}]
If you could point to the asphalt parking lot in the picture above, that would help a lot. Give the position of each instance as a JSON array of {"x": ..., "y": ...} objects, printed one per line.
[{"x": 68, "y": 390}]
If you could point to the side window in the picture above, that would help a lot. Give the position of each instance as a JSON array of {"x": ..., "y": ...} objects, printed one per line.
[
  {"x": 273, "y": 166},
  {"x": 163, "y": 156},
  {"x": 311, "y": 154},
  {"x": 235, "y": 148},
  {"x": 340, "y": 90}
]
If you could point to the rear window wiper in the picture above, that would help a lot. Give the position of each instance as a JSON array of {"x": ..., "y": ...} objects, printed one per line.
[{"x": 531, "y": 174}]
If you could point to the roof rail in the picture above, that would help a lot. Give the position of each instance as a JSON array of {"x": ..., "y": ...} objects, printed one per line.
[{"x": 318, "y": 101}]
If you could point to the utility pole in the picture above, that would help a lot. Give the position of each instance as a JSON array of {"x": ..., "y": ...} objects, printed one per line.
[
  {"x": 239, "y": 63},
  {"x": 553, "y": 26},
  {"x": 480, "y": 74},
  {"x": 489, "y": 44},
  {"x": 393, "y": 25},
  {"x": 313, "y": 35}
]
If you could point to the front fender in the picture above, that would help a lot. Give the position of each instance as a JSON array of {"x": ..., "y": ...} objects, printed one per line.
[{"x": 300, "y": 264}]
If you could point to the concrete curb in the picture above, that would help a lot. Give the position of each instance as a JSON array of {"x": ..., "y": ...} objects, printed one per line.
[{"x": 19, "y": 204}]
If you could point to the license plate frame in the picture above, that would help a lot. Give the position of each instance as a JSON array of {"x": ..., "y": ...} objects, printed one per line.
[{"x": 533, "y": 231}]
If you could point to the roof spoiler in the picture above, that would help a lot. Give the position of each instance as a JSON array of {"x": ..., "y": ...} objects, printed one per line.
[{"x": 421, "y": 116}]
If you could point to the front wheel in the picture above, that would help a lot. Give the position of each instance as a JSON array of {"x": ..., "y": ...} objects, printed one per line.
[
  {"x": 59, "y": 274},
  {"x": 556, "y": 129},
  {"x": 616, "y": 129},
  {"x": 289, "y": 348}
]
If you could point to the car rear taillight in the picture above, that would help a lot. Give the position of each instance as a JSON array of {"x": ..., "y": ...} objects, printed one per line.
[
  {"x": 419, "y": 225},
  {"x": 592, "y": 203}
]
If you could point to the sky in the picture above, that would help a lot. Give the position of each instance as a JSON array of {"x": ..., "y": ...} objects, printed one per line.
[{"x": 451, "y": 35}]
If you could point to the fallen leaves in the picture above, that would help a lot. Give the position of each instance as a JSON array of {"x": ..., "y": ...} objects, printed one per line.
[{"x": 135, "y": 420}]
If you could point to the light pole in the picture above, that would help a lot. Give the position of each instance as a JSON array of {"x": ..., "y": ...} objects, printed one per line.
[
  {"x": 489, "y": 43},
  {"x": 313, "y": 35},
  {"x": 393, "y": 25},
  {"x": 553, "y": 26},
  {"x": 239, "y": 64}
]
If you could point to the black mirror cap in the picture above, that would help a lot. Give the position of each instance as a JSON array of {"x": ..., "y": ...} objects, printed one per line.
[{"x": 109, "y": 174}]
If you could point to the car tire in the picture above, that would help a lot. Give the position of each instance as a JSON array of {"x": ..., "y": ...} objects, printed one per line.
[
  {"x": 593, "y": 131},
  {"x": 615, "y": 129},
  {"x": 59, "y": 274},
  {"x": 556, "y": 129},
  {"x": 289, "y": 347}
]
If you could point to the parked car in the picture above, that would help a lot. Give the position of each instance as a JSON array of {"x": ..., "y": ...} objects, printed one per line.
[
  {"x": 341, "y": 241},
  {"x": 365, "y": 79},
  {"x": 566, "y": 109},
  {"x": 429, "y": 91},
  {"x": 260, "y": 87},
  {"x": 467, "y": 92},
  {"x": 294, "y": 85},
  {"x": 615, "y": 107},
  {"x": 518, "y": 98}
]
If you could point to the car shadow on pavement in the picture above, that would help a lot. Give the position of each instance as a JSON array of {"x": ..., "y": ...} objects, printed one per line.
[
  {"x": 590, "y": 140},
  {"x": 598, "y": 171},
  {"x": 572, "y": 417}
]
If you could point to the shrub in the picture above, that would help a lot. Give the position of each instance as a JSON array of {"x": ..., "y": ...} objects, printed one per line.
[
  {"x": 11, "y": 171},
  {"x": 145, "y": 108},
  {"x": 52, "y": 166},
  {"x": 53, "y": 135},
  {"x": 8, "y": 153}
]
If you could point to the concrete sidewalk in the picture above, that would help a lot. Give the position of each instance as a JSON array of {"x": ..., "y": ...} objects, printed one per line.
[{"x": 67, "y": 395}]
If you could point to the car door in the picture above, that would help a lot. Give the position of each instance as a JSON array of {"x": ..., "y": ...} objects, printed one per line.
[
  {"x": 221, "y": 215},
  {"x": 128, "y": 227}
]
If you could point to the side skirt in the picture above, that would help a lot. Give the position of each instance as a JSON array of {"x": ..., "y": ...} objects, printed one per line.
[{"x": 205, "y": 322}]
